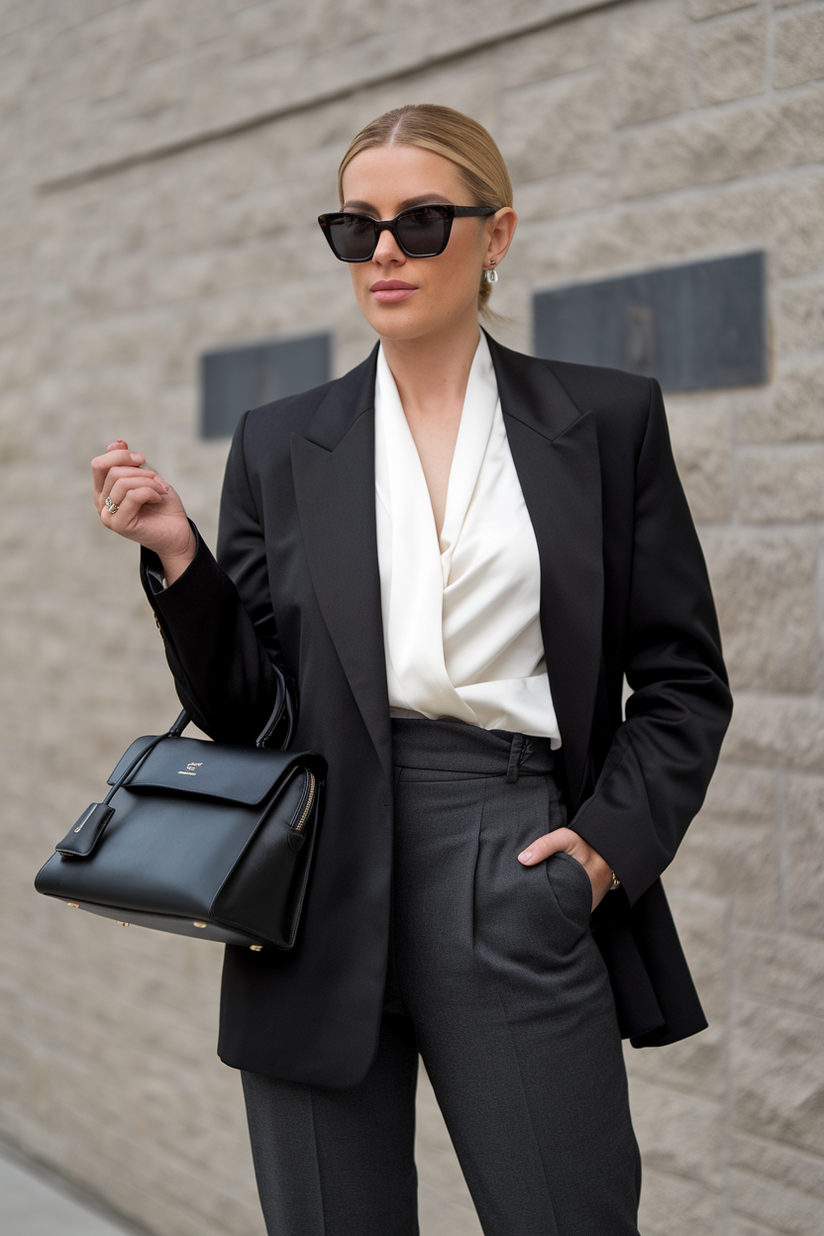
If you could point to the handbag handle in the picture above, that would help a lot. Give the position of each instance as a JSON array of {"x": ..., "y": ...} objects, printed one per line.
[
  {"x": 81, "y": 839},
  {"x": 282, "y": 714}
]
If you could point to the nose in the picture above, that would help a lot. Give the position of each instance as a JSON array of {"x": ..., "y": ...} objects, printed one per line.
[{"x": 388, "y": 250}]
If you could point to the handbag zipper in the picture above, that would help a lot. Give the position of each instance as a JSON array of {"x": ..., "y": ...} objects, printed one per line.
[{"x": 306, "y": 806}]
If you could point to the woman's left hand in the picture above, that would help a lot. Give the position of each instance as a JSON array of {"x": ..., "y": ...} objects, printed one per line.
[{"x": 566, "y": 841}]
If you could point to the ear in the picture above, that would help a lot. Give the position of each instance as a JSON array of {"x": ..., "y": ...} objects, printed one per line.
[{"x": 501, "y": 229}]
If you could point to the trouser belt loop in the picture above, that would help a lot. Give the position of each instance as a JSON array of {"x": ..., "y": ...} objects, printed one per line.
[{"x": 516, "y": 752}]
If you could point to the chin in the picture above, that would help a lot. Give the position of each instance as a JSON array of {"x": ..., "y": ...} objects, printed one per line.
[{"x": 390, "y": 322}]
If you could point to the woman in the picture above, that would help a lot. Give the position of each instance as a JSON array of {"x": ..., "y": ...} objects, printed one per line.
[{"x": 452, "y": 555}]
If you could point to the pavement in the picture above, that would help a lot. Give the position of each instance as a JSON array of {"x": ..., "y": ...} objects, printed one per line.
[{"x": 35, "y": 1203}]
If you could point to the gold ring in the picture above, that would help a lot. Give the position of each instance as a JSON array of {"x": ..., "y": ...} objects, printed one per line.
[{"x": 111, "y": 507}]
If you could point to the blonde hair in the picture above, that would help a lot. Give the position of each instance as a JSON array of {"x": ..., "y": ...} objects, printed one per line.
[{"x": 454, "y": 136}]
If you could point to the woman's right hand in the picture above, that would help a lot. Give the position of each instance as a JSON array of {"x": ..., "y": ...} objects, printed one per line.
[{"x": 142, "y": 507}]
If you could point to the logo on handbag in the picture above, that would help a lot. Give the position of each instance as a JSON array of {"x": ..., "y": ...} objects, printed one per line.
[{"x": 189, "y": 770}]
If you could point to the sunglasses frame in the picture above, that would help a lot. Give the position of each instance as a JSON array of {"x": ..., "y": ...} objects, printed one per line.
[{"x": 390, "y": 225}]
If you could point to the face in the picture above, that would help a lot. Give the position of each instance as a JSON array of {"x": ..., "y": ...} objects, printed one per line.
[{"x": 408, "y": 298}]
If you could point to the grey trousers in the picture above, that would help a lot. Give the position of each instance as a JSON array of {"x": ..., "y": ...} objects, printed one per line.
[{"x": 495, "y": 979}]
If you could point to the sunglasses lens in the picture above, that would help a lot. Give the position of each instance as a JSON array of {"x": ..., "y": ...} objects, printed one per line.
[
  {"x": 423, "y": 231},
  {"x": 352, "y": 236}
]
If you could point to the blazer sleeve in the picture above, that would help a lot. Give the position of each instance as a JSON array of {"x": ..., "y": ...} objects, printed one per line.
[
  {"x": 217, "y": 619},
  {"x": 662, "y": 757}
]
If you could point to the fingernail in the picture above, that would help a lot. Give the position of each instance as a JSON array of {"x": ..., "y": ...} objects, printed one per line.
[{"x": 522, "y": 858}]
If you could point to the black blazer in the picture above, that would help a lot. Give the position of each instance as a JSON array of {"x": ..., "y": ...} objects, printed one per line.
[{"x": 624, "y": 590}]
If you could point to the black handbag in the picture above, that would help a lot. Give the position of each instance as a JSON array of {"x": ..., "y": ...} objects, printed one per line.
[{"x": 199, "y": 838}]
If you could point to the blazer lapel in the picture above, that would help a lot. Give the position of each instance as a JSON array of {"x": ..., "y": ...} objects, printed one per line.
[
  {"x": 555, "y": 450},
  {"x": 334, "y": 473}
]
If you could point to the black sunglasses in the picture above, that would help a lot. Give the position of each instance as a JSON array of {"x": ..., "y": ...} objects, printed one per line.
[{"x": 420, "y": 232}]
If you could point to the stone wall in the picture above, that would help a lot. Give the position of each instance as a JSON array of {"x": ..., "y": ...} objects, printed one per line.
[{"x": 161, "y": 164}]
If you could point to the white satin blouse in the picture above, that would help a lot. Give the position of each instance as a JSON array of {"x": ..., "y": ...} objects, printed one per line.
[{"x": 461, "y": 618}]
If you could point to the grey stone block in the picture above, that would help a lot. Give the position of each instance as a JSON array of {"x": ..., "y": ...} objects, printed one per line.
[
  {"x": 671, "y": 1206},
  {"x": 562, "y": 49},
  {"x": 804, "y": 870},
  {"x": 679, "y": 1134},
  {"x": 781, "y": 483},
  {"x": 765, "y": 585},
  {"x": 778, "y": 1063},
  {"x": 799, "y": 47},
  {"x": 554, "y": 126},
  {"x": 702, "y": 442},
  {"x": 730, "y": 57},
  {"x": 561, "y": 195},
  {"x": 769, "y": 729},
  {"x": 697, "y": 1065},
  {"x": 796, "y": 1169},
  {"x": 798, "y": 214},
  {"x": 795, "y": 412},
  {"x": 799, "y": 320},
  {"x": 648, "y": 60},
  {"x": 731, "y": 848},
  {"x": 158, "y": 31},
  {"x": 773, "y": 1205},
  {"x": 784, "y": 968},
  {"x": 261, "y": 28}
]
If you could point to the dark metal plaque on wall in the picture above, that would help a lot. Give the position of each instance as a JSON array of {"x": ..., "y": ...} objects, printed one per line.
[
  {"x": 692, "y": 327},
  {"x": 237, "y": 378}
]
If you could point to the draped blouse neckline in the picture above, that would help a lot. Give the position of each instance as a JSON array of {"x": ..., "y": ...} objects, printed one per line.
[{"x": 444, "y": 627}]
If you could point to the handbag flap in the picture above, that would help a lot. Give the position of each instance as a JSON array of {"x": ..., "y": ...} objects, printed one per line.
[{"x": 194, "y": 766}]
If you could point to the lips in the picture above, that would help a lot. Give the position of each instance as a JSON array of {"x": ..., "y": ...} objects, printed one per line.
[{"x": 389, "y": 290}]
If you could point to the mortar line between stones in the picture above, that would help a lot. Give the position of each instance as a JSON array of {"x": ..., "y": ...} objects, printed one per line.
[
  {"x": 776, "y": 1140},
  {"x": 609, "y": 41},
  {"x": 691, "y": 28},
  {"x": 769, "y": 50},
  {"x": 781, "y": 844},
  {"x": 679, "y": 194},
  {"x": 742, "y": 103},
  {"x": 819, "y": 616}
]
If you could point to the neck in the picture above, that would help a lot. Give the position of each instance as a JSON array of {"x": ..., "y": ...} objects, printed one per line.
[{"x": 431, "y": 373}]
